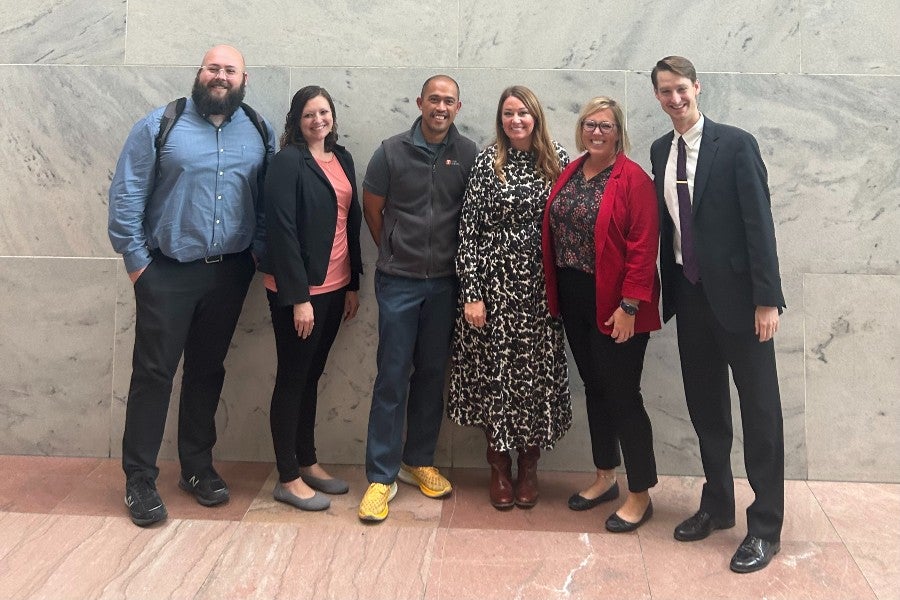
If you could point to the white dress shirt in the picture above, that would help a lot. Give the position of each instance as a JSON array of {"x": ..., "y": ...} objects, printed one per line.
[{"x": 692, "y": 139}]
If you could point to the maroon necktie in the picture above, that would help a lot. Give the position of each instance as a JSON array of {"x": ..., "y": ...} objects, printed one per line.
[{"x": 688, "y": 253}]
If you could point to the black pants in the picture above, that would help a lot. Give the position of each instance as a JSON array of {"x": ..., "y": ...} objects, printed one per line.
[
  {"x": 612, "y": 383},
  {"x": 707, "y": 350},
  {"x": 301, "y": 363},
  {"x": 190, "y": 309}
]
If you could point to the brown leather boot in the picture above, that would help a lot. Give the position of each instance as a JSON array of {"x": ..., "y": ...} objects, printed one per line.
[
  {"x": 526, "y": 479},
  {"x": 501, "y": 479}
]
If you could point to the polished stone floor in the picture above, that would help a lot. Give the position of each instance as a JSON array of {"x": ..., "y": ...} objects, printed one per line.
[{"x": 64, "y": 533}]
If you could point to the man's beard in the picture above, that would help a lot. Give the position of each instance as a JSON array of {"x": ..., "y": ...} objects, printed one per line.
[{"x": 207, "y": 104}]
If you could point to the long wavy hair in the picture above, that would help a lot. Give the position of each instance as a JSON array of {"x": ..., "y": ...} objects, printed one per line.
[
  {"x": 291, "y": 135},
  {"x": 546, "y": 160}
]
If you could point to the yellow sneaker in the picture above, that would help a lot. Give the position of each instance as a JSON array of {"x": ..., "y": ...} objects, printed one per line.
[
  {"x": 374, "y": 504},
  {"x": 429, "y": 480}
]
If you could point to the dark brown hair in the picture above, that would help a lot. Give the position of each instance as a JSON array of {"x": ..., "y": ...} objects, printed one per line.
[
  {"x": 291, "y": 135},
  {"x": 674, "y": 64}
]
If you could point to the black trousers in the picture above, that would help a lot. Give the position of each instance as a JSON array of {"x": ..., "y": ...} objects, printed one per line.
[
  {"x": 707, "y": 350},
  {"x": 612, "y": 383},
  {"x": 301, "y": 363},
  {"x": 190, "y": 309}
]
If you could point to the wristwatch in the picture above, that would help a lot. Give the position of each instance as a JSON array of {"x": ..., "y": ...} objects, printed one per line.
[{"x": 630, "y": 309}]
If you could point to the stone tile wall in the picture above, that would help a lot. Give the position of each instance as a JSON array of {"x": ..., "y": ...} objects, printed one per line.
[{"x": 815, "y": 82}]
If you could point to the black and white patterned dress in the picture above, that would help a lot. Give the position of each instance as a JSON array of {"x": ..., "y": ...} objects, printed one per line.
[{"x": 510, "y": 377}]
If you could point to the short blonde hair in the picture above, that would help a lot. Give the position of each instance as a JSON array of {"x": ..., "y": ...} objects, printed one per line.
[{"x": 595, "y": 105}]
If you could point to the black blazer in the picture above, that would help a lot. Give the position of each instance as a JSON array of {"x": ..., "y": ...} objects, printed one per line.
[
  {"x": 733, "y": 229},
  {"x": 301, "y": 218}
]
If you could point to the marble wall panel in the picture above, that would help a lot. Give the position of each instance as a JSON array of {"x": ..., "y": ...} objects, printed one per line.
[
  {"x": 395, "y": 33},
  {"x": 829, "y": 142},
  {"x": 852, "y": 349},
  {"x": 63, "y": 32},
  {"x": 833, "y": 172},
  {"x": 850, "y": 37},
  {"x": 58, "y": 155},
  {"x": 724, "y": 36},
  {"x": 56, "y": 349}
]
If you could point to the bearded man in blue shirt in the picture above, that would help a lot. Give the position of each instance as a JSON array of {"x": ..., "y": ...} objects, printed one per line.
[{"x": 187, "y": 218}]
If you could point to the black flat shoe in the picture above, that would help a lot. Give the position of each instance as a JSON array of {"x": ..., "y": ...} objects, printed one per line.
[
  {"x": 753, "y": 554},
  {"x": 700, "y": 526},
  {"x": 579, "y": 502},
  {"x": 617, "y": 524}
]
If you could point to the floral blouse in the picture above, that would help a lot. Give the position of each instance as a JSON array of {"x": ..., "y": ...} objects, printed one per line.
[{"x": 572, "y": 218}]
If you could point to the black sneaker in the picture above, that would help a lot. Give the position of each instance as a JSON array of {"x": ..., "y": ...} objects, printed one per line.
[
  {"x": 208, "y": 489},
  {"x": 143, "y": 502}
]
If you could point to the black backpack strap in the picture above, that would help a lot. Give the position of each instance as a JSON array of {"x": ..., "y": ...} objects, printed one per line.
[
  {"x": 166, "y": 123},
  {"x": 258, "y": 123}
]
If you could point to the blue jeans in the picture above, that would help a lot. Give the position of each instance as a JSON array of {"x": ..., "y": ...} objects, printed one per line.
[{"x": 415, "y": 323}]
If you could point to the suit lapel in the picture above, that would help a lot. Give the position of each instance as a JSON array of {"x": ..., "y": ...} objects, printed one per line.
[
  {"x": 709, "y": 145},
  {"x": 660, "y": 159}
]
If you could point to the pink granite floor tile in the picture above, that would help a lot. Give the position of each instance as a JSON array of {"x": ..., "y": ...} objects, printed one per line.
[
  {"x": 471, "y": 507},
  {"x": 14, "y": 528},
  {"x": 102, "y": 491},
  {"x": 39, "y": 483},
  {"x": 802, "y": 570},
  {"x": 851, "y": 506},
  {"x": 538, "y": 565},
  {"x": 105, "y": 557},
  {"x": 880, "y": 563},
  {"x": 410, "y": 508},
  {"x": 275, "y": 561}
]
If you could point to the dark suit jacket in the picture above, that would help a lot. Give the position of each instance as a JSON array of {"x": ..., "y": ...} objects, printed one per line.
[
  {"x": 301, "y": 217},
  {"x": 733, "y": 229}
]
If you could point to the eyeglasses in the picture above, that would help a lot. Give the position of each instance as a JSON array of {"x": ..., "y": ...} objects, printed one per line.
[
  {"x": 214, "y": 70},
  {"x": 603, "y": 126}
]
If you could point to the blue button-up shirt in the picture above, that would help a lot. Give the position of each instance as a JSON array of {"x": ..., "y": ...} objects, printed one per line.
[{"x": 206, "y": 199}]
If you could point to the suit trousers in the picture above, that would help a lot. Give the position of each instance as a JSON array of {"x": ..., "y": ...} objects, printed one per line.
[
  {"x": 707, "y": 350},
  {"x": 188, "y": 309},
  {"x": 415, "y": 323},
  {"x": 301, "y": 363},
  {"x": 611, "y": 374}
]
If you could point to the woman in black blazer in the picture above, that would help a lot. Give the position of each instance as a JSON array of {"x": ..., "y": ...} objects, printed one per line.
[{"x": 312, "y": 267}]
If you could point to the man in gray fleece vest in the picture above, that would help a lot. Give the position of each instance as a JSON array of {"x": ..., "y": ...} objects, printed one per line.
[{"x": 412, "y": 196}]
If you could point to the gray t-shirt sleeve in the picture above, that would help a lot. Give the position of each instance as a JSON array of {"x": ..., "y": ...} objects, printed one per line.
[{"x": 378, "y": 178}]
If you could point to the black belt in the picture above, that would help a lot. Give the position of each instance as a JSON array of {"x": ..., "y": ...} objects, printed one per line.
[{"x": 210, "y": 260}]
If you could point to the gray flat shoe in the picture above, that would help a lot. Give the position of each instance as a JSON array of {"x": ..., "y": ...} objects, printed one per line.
[
  {"x": 329, "y": 486},
  {"x": 317, "y": 502}
]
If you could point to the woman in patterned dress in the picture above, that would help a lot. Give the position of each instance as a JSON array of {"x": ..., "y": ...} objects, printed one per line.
[
  {"x": 600, "y": 238},
  {"x": 509, "y": 372}
]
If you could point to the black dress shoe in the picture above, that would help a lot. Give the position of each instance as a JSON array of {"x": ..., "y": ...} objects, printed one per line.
[
  {"x": 700, "y": 526},
  {"x": 753, "y": 554},
  {"x": 208, "y": 489},
  {"x": 579, "y": 502},
  {"x": 617, "y": 524}
]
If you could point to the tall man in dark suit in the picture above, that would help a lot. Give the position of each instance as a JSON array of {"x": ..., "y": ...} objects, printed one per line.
[{"x": 720, "y": 276}]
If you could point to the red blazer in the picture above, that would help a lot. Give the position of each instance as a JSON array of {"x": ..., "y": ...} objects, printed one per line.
[{"x": 626, "y": 241}]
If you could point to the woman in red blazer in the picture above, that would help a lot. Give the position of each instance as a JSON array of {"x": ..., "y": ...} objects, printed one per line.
[{"x": 600, "y": 240}]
